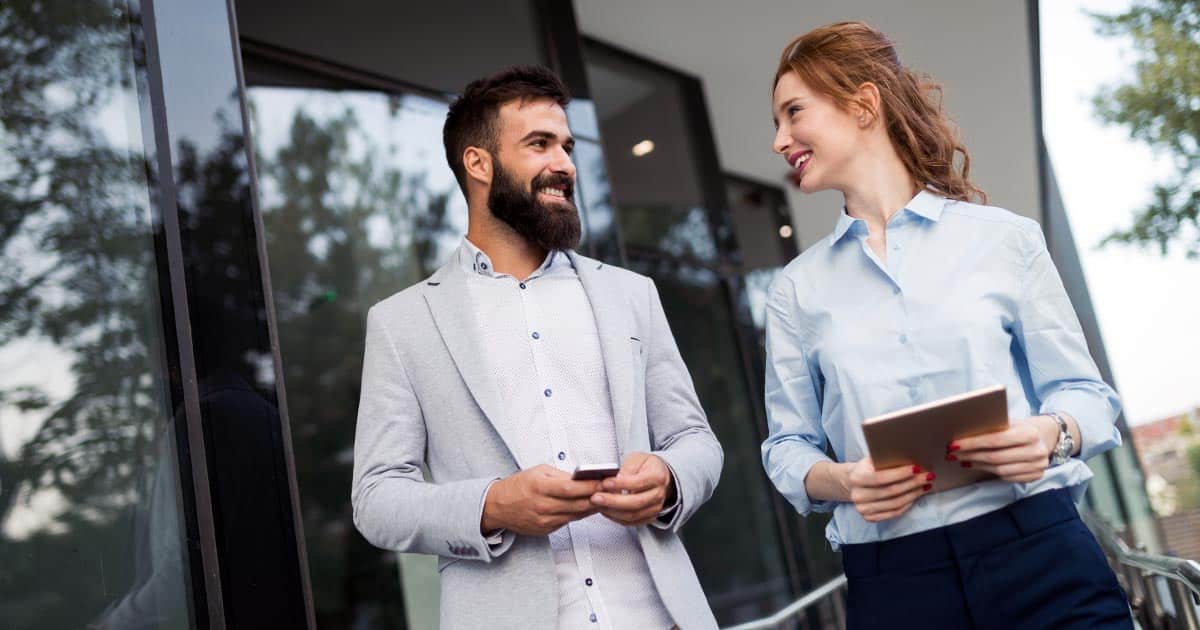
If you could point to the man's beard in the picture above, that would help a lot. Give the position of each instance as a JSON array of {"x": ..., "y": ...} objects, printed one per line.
[{"x": 549, "y": 226}]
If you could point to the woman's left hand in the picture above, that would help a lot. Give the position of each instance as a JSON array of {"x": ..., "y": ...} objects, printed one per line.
[{"x": 1019, "y": 453}]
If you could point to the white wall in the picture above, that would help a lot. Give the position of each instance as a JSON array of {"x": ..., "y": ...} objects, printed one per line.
[{"x": 979, "y": 50}]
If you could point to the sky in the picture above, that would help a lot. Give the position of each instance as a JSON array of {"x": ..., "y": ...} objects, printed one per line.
[{"x": 1148, "y": 305}]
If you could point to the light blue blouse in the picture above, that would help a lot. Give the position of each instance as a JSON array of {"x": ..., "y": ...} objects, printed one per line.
[{"x": 968, "y": 298}]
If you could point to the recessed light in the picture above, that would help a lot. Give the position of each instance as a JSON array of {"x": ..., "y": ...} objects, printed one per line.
[
  {"x": 642, "y": 148},
  {"x": 785, "y": 231}
]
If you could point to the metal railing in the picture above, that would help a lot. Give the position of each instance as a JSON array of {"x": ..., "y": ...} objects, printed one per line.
[
  {"x": 1163, "y": 591},
  {"x": 831, "y": 590}
]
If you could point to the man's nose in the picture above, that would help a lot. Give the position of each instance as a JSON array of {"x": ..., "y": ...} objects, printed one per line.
[{"x": 562, "y": 163}]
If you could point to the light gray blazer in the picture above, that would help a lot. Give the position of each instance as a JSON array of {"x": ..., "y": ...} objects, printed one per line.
[{"x": 427, "y": 404}]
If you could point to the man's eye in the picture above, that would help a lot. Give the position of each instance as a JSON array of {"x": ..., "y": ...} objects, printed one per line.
[{"x": 539, "y": 143}]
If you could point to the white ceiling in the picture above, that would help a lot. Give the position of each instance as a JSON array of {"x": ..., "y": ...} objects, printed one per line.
[{"x": 979, "y": 50}]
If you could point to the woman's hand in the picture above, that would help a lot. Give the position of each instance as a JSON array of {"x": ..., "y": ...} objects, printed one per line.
[
  {"x": 883, "y": 494},
  {"x": 1019, "y": 453}
]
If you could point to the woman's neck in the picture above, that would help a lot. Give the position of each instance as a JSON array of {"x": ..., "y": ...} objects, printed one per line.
[{"x": 881, "y": 187}]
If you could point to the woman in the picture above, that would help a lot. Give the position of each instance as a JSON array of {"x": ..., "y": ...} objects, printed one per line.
[{"x": 920, "y": 294}]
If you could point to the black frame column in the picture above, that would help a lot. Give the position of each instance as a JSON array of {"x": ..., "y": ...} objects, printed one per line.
[{"x": 244, "y": 535}]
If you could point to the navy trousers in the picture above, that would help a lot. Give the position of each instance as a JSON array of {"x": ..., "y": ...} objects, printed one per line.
[{"x": 1032, "y": 564}]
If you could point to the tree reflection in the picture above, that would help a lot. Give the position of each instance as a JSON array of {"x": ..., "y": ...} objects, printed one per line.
[
  {"x": 348, "y": 222},
  {"x": 78, "y": 297}
]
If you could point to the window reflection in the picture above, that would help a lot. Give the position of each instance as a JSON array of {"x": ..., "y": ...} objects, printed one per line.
[
  {"x": 90, "y": 529},
  {"x": 733, "y": 539},
  {"x": 358, "y": 203}
]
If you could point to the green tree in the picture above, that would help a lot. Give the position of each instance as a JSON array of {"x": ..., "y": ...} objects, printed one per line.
[{"x": 1160, "y": 105}]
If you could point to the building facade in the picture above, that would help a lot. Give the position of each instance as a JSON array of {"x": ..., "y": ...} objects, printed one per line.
[{"x": 200, "y": 200}]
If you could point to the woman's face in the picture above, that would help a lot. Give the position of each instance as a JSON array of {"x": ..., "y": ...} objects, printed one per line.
[{"x": 816, "y": 137}]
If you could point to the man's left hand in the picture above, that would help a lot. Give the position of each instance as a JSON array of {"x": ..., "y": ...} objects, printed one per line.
[{"x": 639, "y": 491}]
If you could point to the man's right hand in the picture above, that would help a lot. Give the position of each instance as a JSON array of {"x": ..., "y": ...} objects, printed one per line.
[
  {"x": 883, "y": 494},
  {"x": 537, "y": 501}
]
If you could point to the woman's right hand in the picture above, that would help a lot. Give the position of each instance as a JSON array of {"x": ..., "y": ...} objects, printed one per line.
[{"x": 883, "y": 494}]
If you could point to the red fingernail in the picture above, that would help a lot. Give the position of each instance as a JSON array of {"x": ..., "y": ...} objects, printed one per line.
[
  {"x": 916, "y": 469},
  {"x": 953, "y": 447},
  {"x": 951, "y": 458},
  {"x": 927, "y": 487},
  {"x": 930, "y": 477},
  {"x": 966, "y": 464}
]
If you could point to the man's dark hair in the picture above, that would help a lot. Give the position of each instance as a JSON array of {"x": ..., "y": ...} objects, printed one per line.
[{"x": 473, "y": 119}]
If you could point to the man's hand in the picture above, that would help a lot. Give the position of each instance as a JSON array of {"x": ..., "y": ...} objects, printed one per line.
[
  {"x": 1019, "y": 453},
  {"x": 883, "y": 494},
  {"x": 537, "y": 501},
  {"x": 639, "y": 491}
]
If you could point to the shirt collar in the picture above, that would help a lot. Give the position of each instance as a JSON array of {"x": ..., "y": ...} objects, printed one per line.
[
  {"x": 474, "y": 261},
  {"x": 926, "y": 204}
]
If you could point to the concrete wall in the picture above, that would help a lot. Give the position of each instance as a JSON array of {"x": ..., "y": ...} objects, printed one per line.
[{"x": 979, "y": 50}]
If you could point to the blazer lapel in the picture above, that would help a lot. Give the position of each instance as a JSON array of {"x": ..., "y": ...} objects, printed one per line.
[
  {"x": 446, "y": 295},
  {"x": 614, "y": 326}
]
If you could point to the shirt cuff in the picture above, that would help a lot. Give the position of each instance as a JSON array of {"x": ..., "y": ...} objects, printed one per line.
[
  {"x": 495, "y": 541},
  {"x": 666, "y": 517},
  {"x": 1095, "y": 413}
]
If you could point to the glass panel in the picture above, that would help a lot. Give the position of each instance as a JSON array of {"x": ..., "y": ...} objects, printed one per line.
[
  {"x": 740, "y": 560},
  {"x": 90, "y": 507},
  {"x": 651, "y": 156},
  {"x": 358, "y": 203},
  {"x": 245, "y": 443}
]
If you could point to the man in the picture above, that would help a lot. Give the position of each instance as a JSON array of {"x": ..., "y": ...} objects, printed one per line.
[{"x": 513, "y": 364}]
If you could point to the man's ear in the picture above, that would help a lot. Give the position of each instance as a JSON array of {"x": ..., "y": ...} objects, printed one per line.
[{"x": 477, "y": 163}]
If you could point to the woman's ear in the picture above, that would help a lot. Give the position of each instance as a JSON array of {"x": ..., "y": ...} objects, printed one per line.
[
  {"x": 867, "y": 104},
  {"x": 477, "y": 163}
]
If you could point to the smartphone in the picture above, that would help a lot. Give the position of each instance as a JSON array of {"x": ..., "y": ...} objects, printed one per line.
[{"x": 592, "y": 472}]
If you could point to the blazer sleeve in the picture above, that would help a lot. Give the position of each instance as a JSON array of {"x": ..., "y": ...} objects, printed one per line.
[
  {"x": 394, "y": 507},
  {"x": 679, "y": 431}
]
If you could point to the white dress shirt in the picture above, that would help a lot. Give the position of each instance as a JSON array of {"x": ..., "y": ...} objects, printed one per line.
[{"x": 543, "y": 348}]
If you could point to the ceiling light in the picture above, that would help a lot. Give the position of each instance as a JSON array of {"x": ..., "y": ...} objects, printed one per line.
[
  {"x": 785, "y": 231},
  {"x": 643, "y": 147}
]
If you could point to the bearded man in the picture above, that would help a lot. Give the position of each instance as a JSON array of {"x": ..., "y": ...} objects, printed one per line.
[{"x": 515, "y": 363}]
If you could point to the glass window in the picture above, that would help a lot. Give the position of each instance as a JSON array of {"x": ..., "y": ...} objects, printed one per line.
[
  {"x": 91, "y": 529},
  {"x": 357, "y": 203}
]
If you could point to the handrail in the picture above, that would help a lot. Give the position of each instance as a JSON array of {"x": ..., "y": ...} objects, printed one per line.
[
  {"x": 1181, "y": 569},
  {"x": 800, "y": 605},
  {"x": 1140, "y": 571}
]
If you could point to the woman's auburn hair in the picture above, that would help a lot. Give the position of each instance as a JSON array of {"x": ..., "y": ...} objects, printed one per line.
[{"x": 837, "y": 59}]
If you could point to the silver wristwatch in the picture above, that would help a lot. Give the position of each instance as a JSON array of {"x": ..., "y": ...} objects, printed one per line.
[{"x": 1066, "y": 444}]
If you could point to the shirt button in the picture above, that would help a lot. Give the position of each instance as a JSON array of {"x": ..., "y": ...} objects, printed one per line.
[
  {"x": 484, "y": 265},
  {"x": 562, "y": 456},
  {"x": 896, "y": 247},
  {"x": 535, "y": 335},
  {"x": 588, "y": 581},
  {"x": 522, "y": 285},
  {"x": 903, "y": 338},
  {"x": 547, "y": 392},
  {"x": 896, "y": 291},
  {"x": 592, "y": 618}
]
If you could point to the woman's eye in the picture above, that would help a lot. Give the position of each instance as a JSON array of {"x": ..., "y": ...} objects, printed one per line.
[{"x": 793, "y": 110}]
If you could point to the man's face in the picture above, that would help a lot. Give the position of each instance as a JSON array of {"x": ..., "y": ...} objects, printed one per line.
[{"x": 533, "y": 186}]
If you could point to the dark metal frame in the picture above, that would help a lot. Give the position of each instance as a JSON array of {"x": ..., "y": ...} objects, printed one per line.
[
  {"x": 193, "y": 462},
  {"x": 205, "y": 559}
]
